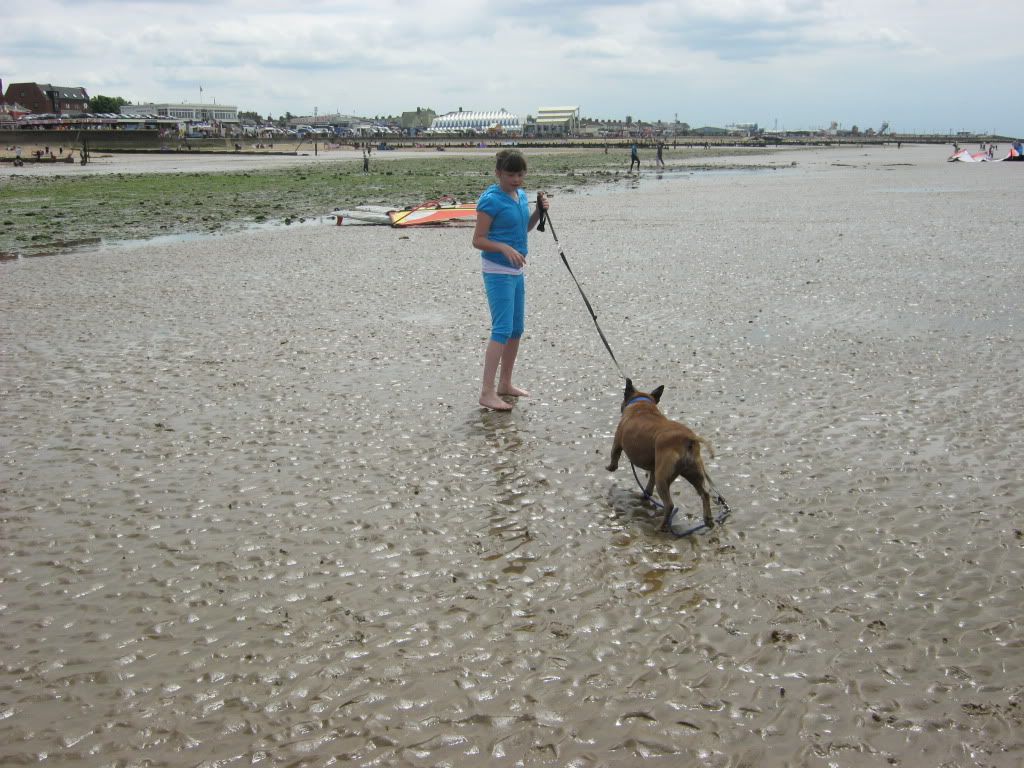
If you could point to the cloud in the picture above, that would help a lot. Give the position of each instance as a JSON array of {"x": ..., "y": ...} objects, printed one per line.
[{"x": 712, "y": 61}]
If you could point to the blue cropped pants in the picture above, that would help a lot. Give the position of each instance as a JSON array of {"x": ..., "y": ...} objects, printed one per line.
[{"x": 506, "y": 297}]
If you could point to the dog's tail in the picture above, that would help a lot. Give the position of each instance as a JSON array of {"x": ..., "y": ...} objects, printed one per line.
[{"x": 707, "y": 444}]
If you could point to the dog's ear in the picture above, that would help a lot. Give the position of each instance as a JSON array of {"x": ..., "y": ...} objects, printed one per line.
[
  {"x": 656, "y": 394},
  {"x": 629, "y": 389}
]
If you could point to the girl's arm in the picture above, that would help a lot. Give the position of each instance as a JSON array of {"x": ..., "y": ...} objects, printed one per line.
[{"x": 483, "y": 243}]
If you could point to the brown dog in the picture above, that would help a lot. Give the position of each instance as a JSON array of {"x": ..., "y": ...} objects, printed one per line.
[{"x": 665, "y": 448}]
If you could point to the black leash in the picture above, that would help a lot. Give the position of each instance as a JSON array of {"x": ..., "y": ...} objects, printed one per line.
[
  {"x": 719, "y": 501},
  {"x": 544, "y": 216}
]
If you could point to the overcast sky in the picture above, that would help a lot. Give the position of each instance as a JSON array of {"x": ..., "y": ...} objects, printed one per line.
[{"x": 922, "y": 65}]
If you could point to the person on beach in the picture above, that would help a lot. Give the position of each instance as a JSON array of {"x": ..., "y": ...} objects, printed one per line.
[
  {"x": 660, "y": 161},
  {"x": 503, "y": 220},
  {"x": 634, "y": 157}
]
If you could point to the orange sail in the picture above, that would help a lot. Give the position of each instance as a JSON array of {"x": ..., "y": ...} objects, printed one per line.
[{"x": 444, "y": 210}]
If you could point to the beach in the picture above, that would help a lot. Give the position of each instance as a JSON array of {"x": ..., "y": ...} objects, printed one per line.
[
  {"x": 289, "y": 155},
  {"x": 252, "y": 514}
]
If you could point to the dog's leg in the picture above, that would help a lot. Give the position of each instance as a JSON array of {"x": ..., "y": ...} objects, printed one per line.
[
  {"x": 650, "y": 485},
  {"x": 664, "y": 491},
  {"x": 613, "y": 463},
  {"x": 664, "y": 473},
  {"x": 705, "y": 484},
  {"x": 692, "y": 468},
  {"x": 705, "y": 500}
]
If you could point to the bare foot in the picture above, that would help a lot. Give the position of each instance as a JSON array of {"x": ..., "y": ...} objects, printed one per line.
[
  {"x": 513, "y": 392},
  {"x": 495, "y": 403}
]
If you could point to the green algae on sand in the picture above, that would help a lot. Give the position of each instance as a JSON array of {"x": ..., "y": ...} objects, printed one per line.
[{"x": 39, "y": 213}]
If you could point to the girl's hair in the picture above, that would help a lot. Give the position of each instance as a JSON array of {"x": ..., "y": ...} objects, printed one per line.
[{"x": 511, "y": 161}]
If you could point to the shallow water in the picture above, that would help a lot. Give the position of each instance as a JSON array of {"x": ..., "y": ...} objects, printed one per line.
[{"x": 251, "y": 514}]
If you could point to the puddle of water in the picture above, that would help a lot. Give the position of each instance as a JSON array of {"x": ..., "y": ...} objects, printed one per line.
[
  {"x": 88, "y": 244},
  {"x": 633, "y": 180},
  {"x": 61, "y": 246}
]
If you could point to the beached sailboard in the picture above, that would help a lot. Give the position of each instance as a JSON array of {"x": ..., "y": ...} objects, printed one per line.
[
  {"x": 444, "y": 210},
  {"x": 367, "y": 214}
]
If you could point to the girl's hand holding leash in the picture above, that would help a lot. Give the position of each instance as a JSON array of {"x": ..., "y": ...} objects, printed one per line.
[{"x": 542, "y": 210}]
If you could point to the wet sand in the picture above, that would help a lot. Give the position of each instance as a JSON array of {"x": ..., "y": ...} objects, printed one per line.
[
  {"x": 285, "y": 156},
  {"x": 292, "y": 155},
  {"x": 251, "y": 512},
  {"x": 183, "y": 162}
]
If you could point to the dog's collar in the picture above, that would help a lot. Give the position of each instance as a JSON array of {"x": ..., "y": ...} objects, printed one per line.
[{"x": 637, "y": 400}]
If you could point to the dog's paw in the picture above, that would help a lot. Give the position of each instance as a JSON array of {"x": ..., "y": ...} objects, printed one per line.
[{"x": 612, "y": 467}]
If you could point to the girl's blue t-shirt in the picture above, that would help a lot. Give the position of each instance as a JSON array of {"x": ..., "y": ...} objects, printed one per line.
[{"x": 509, "y": 221}]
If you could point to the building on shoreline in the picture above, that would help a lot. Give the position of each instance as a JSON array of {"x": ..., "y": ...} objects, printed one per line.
[
  {"x": 191, "y": 114},
  {"x": 743, "y": 129},
  {"x": 420, "y": 120},
  {"x": 10, "y": 111},
  {"x": 499, "y": 121},
  {"x": 555, "y": 121},
  {"x": 46, "y": 99}
]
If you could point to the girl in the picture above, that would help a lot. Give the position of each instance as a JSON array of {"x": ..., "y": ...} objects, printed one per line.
[{"x": 503, "y": 218}]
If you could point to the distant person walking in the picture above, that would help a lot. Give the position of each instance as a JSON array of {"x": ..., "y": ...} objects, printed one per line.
[
  {"x": 634, "y": 157},
  {"x": 366, "y": 161},
  {"x": 659, "y": 160}
]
